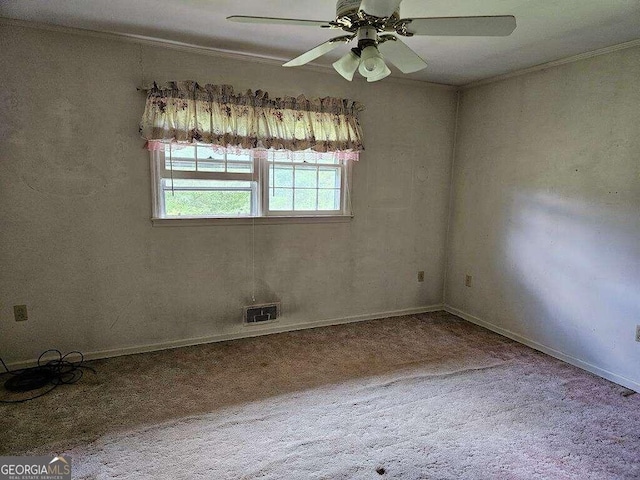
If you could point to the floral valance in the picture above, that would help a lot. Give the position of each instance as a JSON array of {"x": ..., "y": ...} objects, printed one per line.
[{"x": 215, "y": 114}]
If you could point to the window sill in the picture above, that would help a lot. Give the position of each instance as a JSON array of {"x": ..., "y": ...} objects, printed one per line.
[{"x": 195, "y": 222}]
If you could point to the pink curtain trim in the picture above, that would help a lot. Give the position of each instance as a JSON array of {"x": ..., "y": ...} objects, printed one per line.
[{"x": 156, "y": 145}]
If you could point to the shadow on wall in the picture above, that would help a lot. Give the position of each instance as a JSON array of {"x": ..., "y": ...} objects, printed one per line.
[{"x": 575, "y": 267}]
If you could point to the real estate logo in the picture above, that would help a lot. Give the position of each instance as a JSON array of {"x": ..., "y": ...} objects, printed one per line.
[{"x": 35, "y": 468}]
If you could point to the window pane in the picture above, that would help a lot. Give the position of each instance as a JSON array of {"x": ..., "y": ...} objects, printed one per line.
[
  {"x": 207, "y": 203},
  {"x": 281, "y": 199},
  {"x": 181, "y": 151},
  {"x": 210, "y": 165},
  {"x": 328, "y": 157},
  {"x": 280, "y": 155},
  {"x": 306, "y": 177},
  {"x": 237, "y": 167},
  {"x": 206, "y": 152},
  {"x": 329, "y": 199},
  {"x": 313, "y": 158},
  {"x": 306, "y": 156},
  {"x": 180, "y": 164},
  {"x": 180, "y": 157},
  {"x": 280, "y": 176},
  {"x": 328, "y": 177},
  {"x": 239, "y": 156},
  {"x": 305, "y": 199}
]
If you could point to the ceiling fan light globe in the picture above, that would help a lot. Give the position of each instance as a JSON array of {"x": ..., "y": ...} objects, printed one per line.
[
  {"x": 347, "y": 65},
  {"x": 370, "y": 65},
  {"x": 371, "y": 62},
  {"x": 385, "y": 72}
]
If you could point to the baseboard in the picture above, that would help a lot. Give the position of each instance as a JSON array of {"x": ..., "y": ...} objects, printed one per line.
[
  {"x": 246, "y": 332},
  {"x": 576, "y": 362}
]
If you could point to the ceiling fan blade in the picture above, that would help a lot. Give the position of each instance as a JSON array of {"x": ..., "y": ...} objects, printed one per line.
[
  {"x": 490, "y": 26},
  {"x": 347, "y": 65},
  {"x": 398, "y": 53},
  {"x": 279, "y": 21},
  {"x": 318, "y": 51}
]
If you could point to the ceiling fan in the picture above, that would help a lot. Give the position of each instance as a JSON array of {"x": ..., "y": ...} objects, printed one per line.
[{"x": 369, "y": 21}]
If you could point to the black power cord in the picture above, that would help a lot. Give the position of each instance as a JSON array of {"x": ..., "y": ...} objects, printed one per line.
[{"x": 53, "y": 373}]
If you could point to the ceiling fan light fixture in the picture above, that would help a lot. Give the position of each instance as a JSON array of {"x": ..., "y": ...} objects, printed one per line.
[
  {"x": 383, "y": 74},
  {"x": 347, "y": 65},
  {"x": 371, "y": 62}
]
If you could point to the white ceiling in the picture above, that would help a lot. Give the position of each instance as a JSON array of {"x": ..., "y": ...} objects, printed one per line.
[{"x": 547, "y": 29}]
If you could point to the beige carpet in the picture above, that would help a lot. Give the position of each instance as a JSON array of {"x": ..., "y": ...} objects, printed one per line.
[{"x": 421, "y": 397}]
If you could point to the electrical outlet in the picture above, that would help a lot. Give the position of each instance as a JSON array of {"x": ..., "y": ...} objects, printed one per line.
[
  {"x": 637, "y": 333},
  {"x": 20, "y": 313},
  {"x": 467, "y": 280},
  {"x": 421, "y": 276}
]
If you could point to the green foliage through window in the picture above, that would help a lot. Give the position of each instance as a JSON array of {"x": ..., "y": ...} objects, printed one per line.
[{"x": 207, "y": 203}]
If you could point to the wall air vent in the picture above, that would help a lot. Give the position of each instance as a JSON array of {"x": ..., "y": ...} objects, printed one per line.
[{"x": 266, "y": 312}]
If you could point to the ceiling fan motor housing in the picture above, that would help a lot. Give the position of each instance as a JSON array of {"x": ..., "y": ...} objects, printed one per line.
[
  {"x": 353, "y": 13},
  {"x": 367, "y": 36}
]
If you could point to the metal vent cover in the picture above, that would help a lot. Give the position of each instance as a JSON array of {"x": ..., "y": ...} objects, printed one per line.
[{"x": 265, "y": 312}]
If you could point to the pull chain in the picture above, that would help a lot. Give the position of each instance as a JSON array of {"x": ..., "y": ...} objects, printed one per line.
[
  {"x": 253, "y": 231},
  {"x": 171, "y": 165}
]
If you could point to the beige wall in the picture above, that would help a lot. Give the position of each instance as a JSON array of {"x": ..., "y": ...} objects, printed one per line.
[
  {"x": 546, "y": 211},
  {"x": 77, "y": 245}
]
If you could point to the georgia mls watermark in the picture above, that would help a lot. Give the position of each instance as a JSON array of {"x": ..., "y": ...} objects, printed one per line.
[{"x": 35, "y": 468}]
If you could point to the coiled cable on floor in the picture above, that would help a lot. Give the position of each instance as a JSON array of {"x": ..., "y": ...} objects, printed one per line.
[{"x": 58, "y": 371}]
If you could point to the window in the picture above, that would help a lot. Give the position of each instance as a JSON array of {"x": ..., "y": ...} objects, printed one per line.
[
  {"x": 305, "y": 183},
  {"x": 201, "y": 181}
]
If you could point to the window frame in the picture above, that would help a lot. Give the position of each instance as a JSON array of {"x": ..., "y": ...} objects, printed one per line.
[
  {"x": 259, "y": 179},
  {"x": 345, "y": 171}
]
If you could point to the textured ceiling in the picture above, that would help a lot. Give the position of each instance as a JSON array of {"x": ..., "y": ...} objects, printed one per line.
[{"x": 547, "y": 29}]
